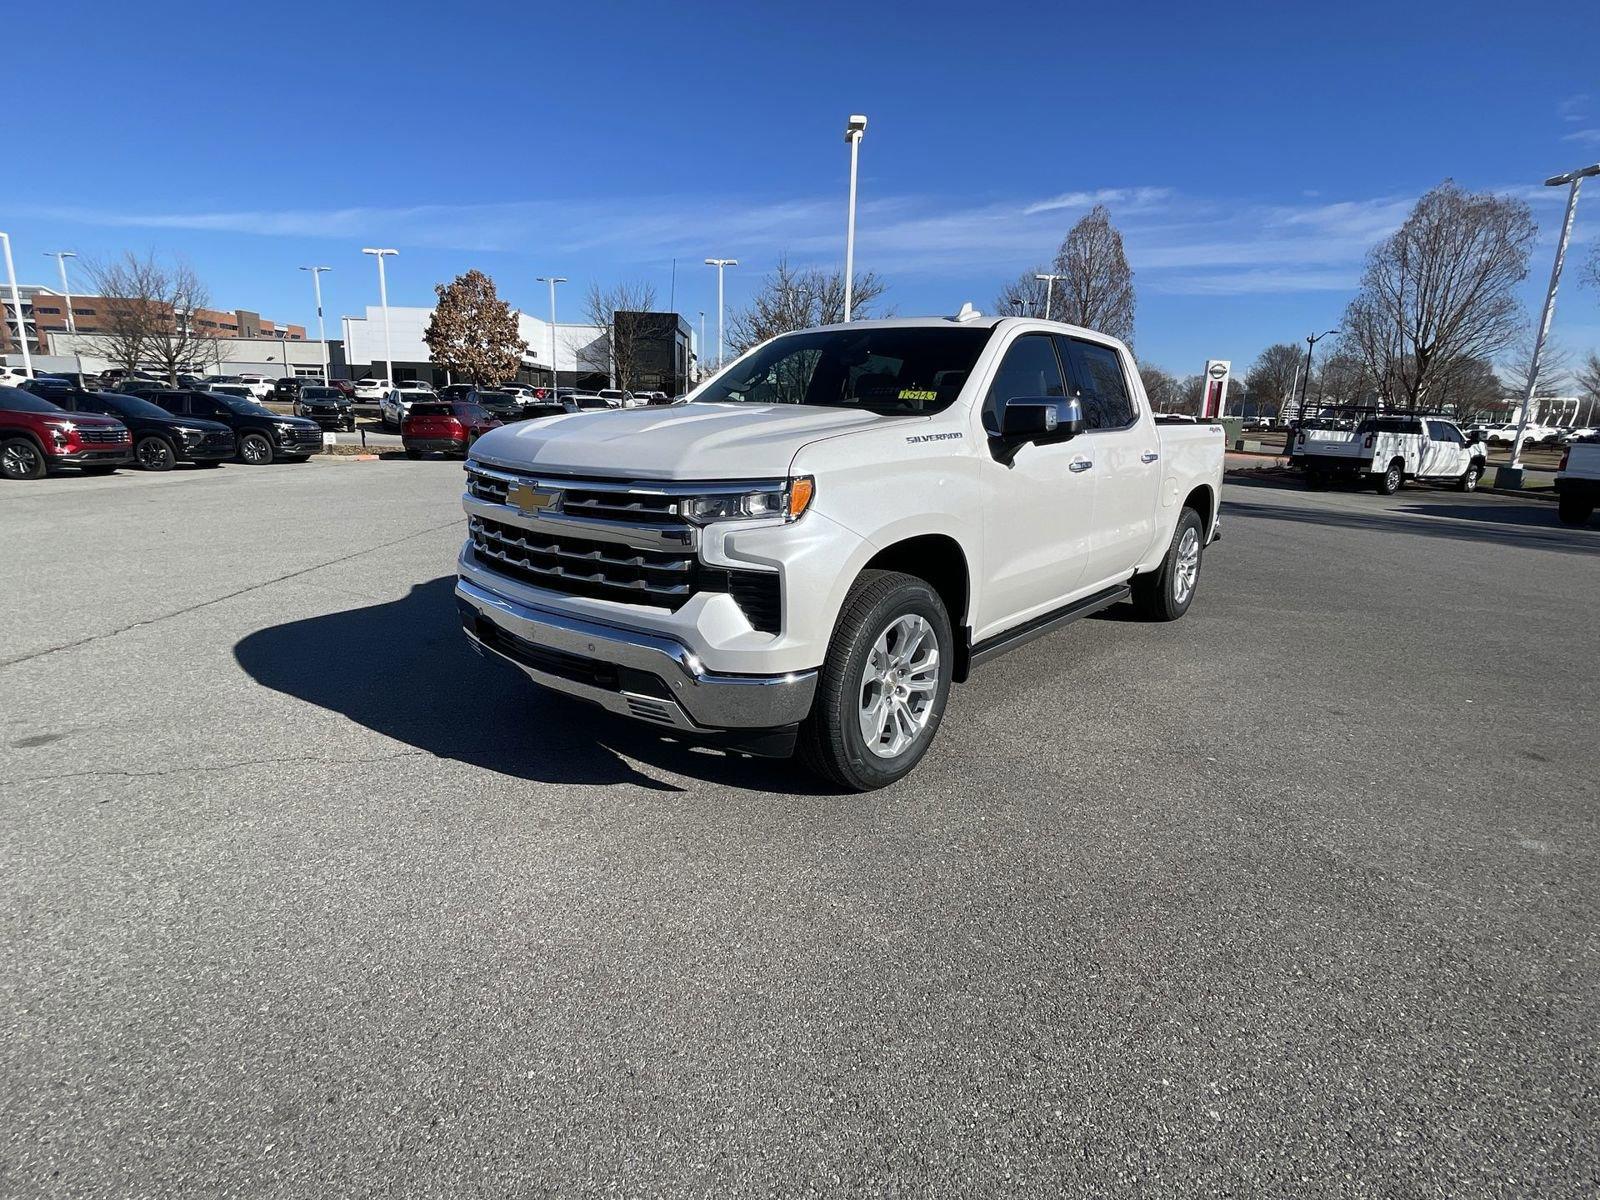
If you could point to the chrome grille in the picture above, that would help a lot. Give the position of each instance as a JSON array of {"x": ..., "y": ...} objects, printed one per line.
[
  {"x": 101, "y": 435},
  {"x": 605, "y": 570},
  {"x": 637, "y": 503}
]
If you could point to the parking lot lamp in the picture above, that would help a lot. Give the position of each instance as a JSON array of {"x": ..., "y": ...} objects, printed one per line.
[
  {"x": 1049, "y": 286},
  {"x": 552, "y": 280},
  {"x": 719, "y": 264},
  {"x": 853, "y": 133},
  {"x": 383, "y": 301},
  {"x": 1512, "y": 476},
  {"x": 322, "y": 332},
  {"x": 1305, "y": 377},
  {"x": 700, "y": 349},
  {"x": 61, "y": 257},
  {"x": 16, "y": 307}
]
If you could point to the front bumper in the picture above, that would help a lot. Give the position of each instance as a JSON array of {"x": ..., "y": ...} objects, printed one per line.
[
  {"x": 642, "y": 675},
  {"x": 108, "y": 457}
]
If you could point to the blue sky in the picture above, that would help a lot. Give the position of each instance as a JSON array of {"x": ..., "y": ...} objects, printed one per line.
[{"x": 1250, "y": 153}]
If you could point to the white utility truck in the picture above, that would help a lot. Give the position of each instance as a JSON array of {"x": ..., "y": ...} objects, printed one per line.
[
  {"x": 816, "y": 543},
  {"x": 1388, "y": 448},
  {"x": 1578, "y": 481}
]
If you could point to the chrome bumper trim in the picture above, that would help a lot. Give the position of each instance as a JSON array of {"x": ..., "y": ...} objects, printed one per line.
[{"x": 700, "y": 699}]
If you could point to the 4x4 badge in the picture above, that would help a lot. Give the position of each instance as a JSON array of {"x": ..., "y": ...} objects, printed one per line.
[{"x": 529, "y": 500}]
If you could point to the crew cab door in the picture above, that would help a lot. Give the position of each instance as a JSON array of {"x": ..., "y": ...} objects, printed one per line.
[
  {"x": 1444, "y": 451},
  {"x": 1038, "y": 512},
  {"x": 1122, "y": 444}
]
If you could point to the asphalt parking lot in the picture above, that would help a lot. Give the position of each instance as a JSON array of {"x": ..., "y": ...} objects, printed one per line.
[{"x": 299, "y": 897}]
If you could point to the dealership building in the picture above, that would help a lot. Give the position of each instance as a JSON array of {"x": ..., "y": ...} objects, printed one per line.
[{"x": 660, "y": 345}]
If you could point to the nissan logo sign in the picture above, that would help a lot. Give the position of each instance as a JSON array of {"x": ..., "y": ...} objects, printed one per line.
[{"x": 1216, "y": 370}]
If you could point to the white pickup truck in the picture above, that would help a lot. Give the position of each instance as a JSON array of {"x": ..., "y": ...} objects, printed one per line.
[
  {"x": 1578, "y": 481},
  {"x": 1388, "y": 449},
  {"x": 816, "y": 543}
]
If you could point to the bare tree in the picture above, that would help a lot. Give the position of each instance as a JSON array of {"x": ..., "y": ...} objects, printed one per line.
[
  {"x": 1097, "y": 291},
  {"x": 148, "y": 316},
  {"x": 1024, "y": 296},
  {"x": 1161, "y": 387},
  {"x": 1441, "y": 288},
  {"x": 1555, "y": 367},
  {"x": 616, "y": 350},
  {"x": 1470, "y": 388},
  {"x": 1588, "y": 381},
  {"x": 790, "y": 299},
  {"x": 1273, "y": 376},
  {"x": 1341, "y": 378}
]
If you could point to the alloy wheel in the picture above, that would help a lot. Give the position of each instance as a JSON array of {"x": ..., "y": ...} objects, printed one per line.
[
  {"x": 154, "y": 454},
  {"x": 21, "y": 460},
  {"x": 899, "y": 683},
  {"x": 1188, "y": 566}
]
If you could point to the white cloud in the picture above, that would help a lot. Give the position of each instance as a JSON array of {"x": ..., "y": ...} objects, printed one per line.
[
  {"x": 1137, "y": 197},
  {"x": 1590, "y": 137},
  {"x": 1574, "y": 108}
]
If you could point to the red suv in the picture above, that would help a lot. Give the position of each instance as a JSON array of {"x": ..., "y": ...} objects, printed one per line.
[
  {"x": 37, "y": 436},
  {"x": 445, "y": 427}
]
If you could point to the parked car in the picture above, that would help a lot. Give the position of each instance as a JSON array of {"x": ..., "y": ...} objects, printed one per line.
[
  {"x": 11, "y": 376},
  {"x": 444, "y": 427},
  {"x": 371, "y": 391},
  {"x": 416, "y": 387},
  {"x": 261, "y": 388},
  {"x": 1578, "y": 481},
  {"x": 1503, "y": 433},
  {"x": 589, "y": 401},
  {"x": 1577, "y": 435},
  {"x": 457, "y": 391},
  {"x": 160, "y": 440},
  {"x": 397, "y": 402},
  {"x": 37, "y": 436},
  {"x": 826, "y": 537},
  {"x": 615, "y": 397},
  {"x": 503, "y": 406},
  {"x": 287, "y": 389},
  {"x": 1388, "y": 448},
  {"x": 261, "y": 434},
  {"x": 136, "y": 387},
  {"x": 344, "y": 386},
  {"x": 327, "y": 407}
]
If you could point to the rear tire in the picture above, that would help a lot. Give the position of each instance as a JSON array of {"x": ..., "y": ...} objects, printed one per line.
[
  {"x": 1391, "y": 480},
  {"x": 1574, "y": 510},
  {"x": 1166, "y": 593},
  {"x": 20, "y": 458},
  {"x": 878, "y": 674}
]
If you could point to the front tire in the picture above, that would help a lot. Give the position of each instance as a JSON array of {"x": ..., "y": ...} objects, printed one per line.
[
  {"x": 155, "y": 454},
  {"x": 255, "y": 450},
  {"x": 1574, "y": 510},
  {"x": 883, "y": 687},
  {"x": 1166, "y": 593},
  {"x": 21, "y": 459},
  {"x": 1469, "y": 478}
]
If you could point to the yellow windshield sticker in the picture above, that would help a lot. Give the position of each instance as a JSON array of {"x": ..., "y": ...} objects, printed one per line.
[{"x": 914, "y": 394}]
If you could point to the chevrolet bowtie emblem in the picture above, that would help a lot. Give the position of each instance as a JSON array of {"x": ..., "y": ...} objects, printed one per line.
[{"x": 529, "y": 500}]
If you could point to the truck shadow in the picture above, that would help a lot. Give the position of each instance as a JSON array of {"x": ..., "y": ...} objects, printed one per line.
[{"x": 403, "y": 669}]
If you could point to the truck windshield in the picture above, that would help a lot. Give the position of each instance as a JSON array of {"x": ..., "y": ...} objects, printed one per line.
[{"x": 883, "y": 370}]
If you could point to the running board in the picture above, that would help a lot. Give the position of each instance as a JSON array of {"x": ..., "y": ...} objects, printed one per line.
[{"x": 1000, "y": 643}]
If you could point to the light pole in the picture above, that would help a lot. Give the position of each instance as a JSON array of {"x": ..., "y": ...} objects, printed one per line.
[
  {"x": 322, "y": 332},
  {"x": 16, "y": 307},
  {"x": 1049, "y": 285},
  {"x": 719, "y": 264},
  {"x": 383, "y": 300},
  {"x": 552, "y": 280},
  {"x": 61, "y": 257},
  {"x": 1512, "y": 476},
  {"x": 700, "y": 349},
  {"x": 1305, "y": 379},
  {"x": 853, "y": 133}
]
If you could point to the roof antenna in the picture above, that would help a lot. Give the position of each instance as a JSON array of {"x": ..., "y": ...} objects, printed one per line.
[{"x": 967, "y": 313}]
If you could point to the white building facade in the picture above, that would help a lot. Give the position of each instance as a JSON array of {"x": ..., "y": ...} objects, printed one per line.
[{"x": 579, "y": 349}]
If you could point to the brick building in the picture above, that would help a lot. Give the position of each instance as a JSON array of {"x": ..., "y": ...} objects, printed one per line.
[{"x": 45, "y": 311}]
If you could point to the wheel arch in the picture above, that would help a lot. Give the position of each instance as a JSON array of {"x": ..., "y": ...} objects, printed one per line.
[
  {"x": 939, "y": 560},
  {"x": 1203, "y": 500}
]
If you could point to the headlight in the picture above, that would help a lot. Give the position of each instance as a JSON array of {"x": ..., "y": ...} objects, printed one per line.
[
  {"x": 284, "y": 427},
  {"x": 788, "y": 500},
  {"x": 186, "y": 432}
]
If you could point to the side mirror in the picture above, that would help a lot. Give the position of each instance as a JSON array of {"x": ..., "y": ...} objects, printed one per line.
[{"x": 1040, "y": 418}]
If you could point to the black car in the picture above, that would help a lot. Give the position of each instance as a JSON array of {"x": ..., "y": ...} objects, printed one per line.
[
  {"x": 160, "y": 440},
  {"x": 502, "y": 406},
  {"x": 326, "y": 406},
  {"x": 138, "y": 387},
  {"x": 288, "y": 388},
  {"x": 457, "y": 393},
  {"x": 262, "y": 434}
]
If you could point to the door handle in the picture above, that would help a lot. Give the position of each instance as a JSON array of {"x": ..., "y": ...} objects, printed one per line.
[
  {"x": 1080, "y": 464},
  {"x": 1149, "y": 456}
]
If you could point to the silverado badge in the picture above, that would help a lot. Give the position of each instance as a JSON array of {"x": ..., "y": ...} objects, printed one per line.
[{"x": 529, "y": 500}]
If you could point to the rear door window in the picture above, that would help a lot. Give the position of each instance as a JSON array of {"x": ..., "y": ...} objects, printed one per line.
[{"x": 1102, "y": 385}]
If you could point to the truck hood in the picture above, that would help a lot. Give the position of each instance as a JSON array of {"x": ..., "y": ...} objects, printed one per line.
[{"x": 683, "y": 442}]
